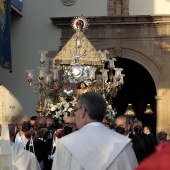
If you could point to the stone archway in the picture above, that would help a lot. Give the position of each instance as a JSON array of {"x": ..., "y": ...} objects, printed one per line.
[
  {"x": 155, "y": 71},
  {"x": 138, "y": 89},
  {"x": 152, "y": 69}
]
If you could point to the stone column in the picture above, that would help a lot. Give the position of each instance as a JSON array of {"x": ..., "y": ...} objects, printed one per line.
[{"x": 159, "y": 116}]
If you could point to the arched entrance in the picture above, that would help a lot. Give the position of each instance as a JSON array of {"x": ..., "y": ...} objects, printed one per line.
[{"x": 138, "y": 89}]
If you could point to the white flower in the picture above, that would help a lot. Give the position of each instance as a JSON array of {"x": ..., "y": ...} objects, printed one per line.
[
  {"x": 66, "y": 106},
  {"x": 59, "y": 105},
  {"x": 70, "y": 109},
  {"x": 60, "y": 110},
  {"x": 51, "y": 105},
  {"x": 110, "y": 115},
  {"x": 109, "y": 107},
  {"x": 58, "y": 114},
  {"x": 53, "y": 108}
]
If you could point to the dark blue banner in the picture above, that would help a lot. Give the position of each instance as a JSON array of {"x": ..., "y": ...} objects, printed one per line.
[
  {"x": 17, "y": 4},
  {"x": 5, "y": 41}
]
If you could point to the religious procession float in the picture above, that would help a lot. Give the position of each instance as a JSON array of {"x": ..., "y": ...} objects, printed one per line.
[{"x": 76, "y": 69}]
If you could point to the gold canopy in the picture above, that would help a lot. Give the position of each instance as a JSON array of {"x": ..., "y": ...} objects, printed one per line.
[{"x": 78, "y": 50}]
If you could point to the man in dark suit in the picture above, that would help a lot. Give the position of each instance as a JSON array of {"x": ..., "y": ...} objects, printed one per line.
[
  {"x": 138, "y": 130},
  {"x": 37, "y": 144},
  {"x": 40, "y": 145},
  {"x": 123, "y": 122},
  {"x": 147, "y": 130}
]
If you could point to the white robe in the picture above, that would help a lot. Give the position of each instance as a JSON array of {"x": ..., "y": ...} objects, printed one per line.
[
  {"x": 23, "y": 159},
  {"x": 21, "y": 141},
  {"x": 94, "y": 147}
]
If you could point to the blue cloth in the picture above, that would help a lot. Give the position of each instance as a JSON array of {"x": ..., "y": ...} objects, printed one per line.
[
  {"x": 5, "y": 40},
  {"x": 17, "y": 4}
]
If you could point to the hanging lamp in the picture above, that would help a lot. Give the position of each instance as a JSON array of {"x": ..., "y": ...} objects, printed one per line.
[
  {"x": 148, "y": 109},
  {"x": 129, "y": 111}
]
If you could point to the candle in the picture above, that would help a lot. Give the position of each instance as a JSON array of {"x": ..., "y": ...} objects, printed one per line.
[
  {"x": 55, "y": 74},
  {"x": 48, "y": 79},
  {"x": 30, "y": 75},
  {"x": 111, "y": 63},
  {"x": 105, "y": 74},
  {"x": 41, "y": 71},
  {"x": 118, "y": 73},
  {"x": 42, "y": 57},
  {"x": 121, "y": 79},
  {"x": 103, "y": 55}
]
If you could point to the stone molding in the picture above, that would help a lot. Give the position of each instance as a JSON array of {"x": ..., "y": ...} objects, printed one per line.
[{"x": 117, "y": 7}]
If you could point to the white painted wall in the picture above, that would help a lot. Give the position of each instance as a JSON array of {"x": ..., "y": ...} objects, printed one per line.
[
  {"x": 85, "y": 7},
  {"x": 35, "y": 31},
  {"x": 149, "y": 7}
]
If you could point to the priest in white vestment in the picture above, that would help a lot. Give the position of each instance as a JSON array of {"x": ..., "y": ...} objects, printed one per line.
[
  {"x": 93, "y": 146},
  {"x": 12, "y": 157},
  {"x": 23, "y": 159}
]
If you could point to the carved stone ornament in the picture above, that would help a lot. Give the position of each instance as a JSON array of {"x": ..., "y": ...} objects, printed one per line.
[
  {"x": 68, "y": 2},
  {"x": 117, "y": 7}
]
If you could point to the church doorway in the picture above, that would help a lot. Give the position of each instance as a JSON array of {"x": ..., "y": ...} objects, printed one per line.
[{"x": 138, "y": 89}]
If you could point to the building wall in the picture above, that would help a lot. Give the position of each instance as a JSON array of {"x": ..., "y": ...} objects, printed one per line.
[
  {"x": 35, "y": 31},
  {"x": 151, "y": 7}
]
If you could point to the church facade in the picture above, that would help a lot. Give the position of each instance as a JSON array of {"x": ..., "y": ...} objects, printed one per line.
[{"x": 123, "y": 27}]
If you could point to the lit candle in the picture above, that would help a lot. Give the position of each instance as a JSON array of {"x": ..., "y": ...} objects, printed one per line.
[
  {"x": 121, "y": 79},
  {"x": 105, "y": 74},
  {"x": 103, "y": 55},
  {"x": 30, "y": 75},
  {"x": 48, "y": 79},
  {"x": 118, "y": 73},
  {"x": 55, "y": 74},
  {"x": 52, "y": 63},
  {"x": 41, "y": 71},
  {"x": 111, "y": 63},
  {"x": 43, "y": 56}
]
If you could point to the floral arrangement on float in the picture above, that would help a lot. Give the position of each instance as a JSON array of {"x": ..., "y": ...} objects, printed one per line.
[
  {"x": 109, "y": 116},
  {"x": 60, "y": 111}
]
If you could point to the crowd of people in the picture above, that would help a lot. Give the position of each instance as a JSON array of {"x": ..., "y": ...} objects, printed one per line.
[
  {"x": 84, "y": 143},
  {"x": 38, "y": 135}
]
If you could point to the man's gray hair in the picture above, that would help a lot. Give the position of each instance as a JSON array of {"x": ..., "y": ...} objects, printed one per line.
[
  {"x": 126, "y": 117},
  {"x": 95, "y": 105}
]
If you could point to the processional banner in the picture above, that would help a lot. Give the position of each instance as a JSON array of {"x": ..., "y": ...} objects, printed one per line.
[{"x": 5, "y": 40}]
